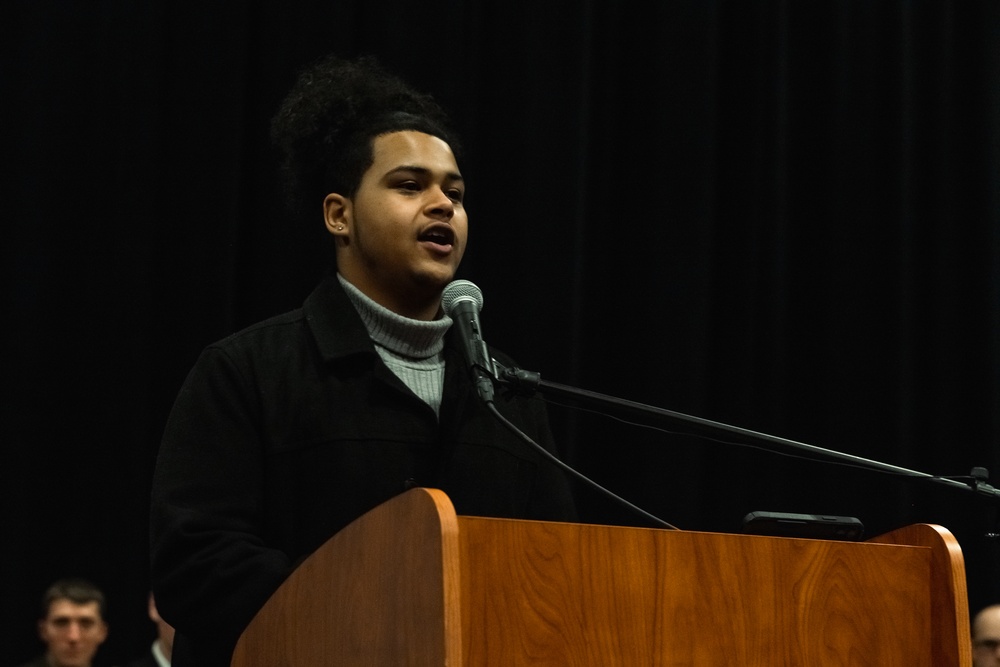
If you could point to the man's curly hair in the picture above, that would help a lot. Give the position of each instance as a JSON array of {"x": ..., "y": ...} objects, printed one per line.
[{"x": 325, "y": 126}]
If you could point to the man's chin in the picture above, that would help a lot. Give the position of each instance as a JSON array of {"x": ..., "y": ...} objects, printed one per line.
[
  {"x": 77, "y": 659},
  {"x": 435, "y": 281}
]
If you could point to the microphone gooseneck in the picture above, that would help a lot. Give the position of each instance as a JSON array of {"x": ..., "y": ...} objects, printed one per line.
[{"x": 461, "y": 301}]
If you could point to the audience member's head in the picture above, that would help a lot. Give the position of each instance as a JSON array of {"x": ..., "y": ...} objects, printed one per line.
[
  {"x": 986, "y": 637},
  {"x": 72, "y": 622}
]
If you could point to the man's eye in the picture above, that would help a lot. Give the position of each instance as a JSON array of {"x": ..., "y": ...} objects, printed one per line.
[
  {"x": 455, "y": 195},
  {"x": 412, "y": 186}
]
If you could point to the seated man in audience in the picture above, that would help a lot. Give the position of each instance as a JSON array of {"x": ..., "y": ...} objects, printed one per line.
[
  {"x": 71, "y": 624},
  {"x": 986, "y": 637}
]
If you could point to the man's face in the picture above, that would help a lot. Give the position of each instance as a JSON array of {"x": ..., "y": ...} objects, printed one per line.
[
  {"x": 986, "y": 638},
  {"x": 72, "y": 632},
  {"x": 404, "y": 231}
]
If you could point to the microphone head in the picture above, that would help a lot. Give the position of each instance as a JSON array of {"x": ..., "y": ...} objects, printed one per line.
[{"x": 458, "y": 291}]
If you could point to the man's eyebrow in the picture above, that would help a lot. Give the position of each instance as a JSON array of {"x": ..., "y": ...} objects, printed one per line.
[{"x": 423, "y": 171}]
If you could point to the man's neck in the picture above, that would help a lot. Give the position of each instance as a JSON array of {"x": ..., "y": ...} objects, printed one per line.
[{"x": 416, "y": 305}]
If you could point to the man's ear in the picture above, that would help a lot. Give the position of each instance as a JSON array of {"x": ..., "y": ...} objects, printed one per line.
[{"x": 337, "y": 215}]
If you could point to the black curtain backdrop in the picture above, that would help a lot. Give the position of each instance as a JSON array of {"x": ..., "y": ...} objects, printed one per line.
[{"x": 783, "y": 216}]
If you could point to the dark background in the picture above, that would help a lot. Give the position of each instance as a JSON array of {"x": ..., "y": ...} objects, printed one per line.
[{"x": 779, "y": 215}]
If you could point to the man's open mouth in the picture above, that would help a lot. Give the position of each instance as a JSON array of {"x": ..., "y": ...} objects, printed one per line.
[{"x": 439, "y": 234}]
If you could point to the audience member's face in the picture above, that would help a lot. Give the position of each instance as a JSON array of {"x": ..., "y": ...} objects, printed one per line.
[
  {"x": 73, "y": 632},
  {"x": 986, "y": 638}
]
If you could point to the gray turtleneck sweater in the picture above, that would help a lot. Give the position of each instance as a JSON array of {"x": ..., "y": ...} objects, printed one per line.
[{"x": 412, "y": 349}]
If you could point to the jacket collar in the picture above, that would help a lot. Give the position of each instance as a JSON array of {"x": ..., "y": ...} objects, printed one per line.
[
  {"x": 335, "y": 323},
  {"x": 340, "y": 334}
]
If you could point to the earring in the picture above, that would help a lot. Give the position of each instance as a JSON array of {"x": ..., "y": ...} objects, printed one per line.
[{"x": 340, "y": 228}]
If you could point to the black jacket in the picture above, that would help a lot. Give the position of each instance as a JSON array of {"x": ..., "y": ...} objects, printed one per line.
[{"x": 286, "y": 432}]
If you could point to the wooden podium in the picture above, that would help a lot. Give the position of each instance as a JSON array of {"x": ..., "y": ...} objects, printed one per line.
[{"x": 411, "y": 583}]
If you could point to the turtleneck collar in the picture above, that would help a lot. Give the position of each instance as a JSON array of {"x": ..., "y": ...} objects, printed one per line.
[{"x": 416, "y": 339}]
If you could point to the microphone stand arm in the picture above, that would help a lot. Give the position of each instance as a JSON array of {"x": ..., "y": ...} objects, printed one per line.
[{"x": 529, "y": 382}]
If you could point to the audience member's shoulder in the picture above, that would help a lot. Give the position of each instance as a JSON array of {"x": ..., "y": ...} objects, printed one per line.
[
  {"x": 40, "y": 661},
  {"x": 145, "y": 661}
]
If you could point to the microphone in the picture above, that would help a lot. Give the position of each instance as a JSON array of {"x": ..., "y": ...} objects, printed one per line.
[{"x": 462, "y": 301}]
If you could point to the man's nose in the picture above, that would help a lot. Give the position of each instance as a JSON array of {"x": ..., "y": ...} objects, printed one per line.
[
  {"x": 441, "y": 205},
  {"x": 73, "y": 632}
]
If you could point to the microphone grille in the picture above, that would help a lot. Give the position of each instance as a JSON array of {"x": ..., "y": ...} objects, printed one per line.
[{"x": 461, "y": 290}]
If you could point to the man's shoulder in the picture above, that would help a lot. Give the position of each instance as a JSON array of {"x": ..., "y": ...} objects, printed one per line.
[
  {"x": 325, "y": 303},
  {"x": 267, "y": 333},
  {"x": 269, "y": 326},
  {"x": 40, "y": 661}
]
